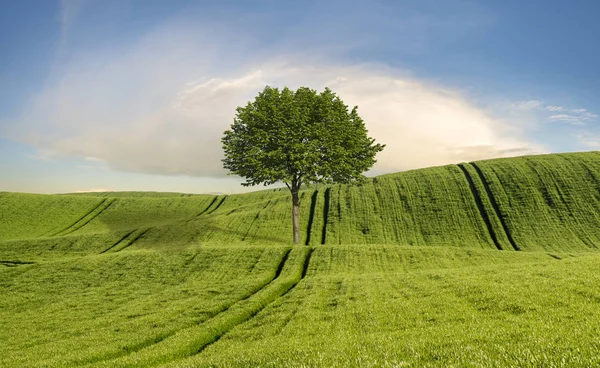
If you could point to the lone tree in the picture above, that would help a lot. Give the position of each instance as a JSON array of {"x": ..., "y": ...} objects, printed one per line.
[{"x": 298, "y": 137}]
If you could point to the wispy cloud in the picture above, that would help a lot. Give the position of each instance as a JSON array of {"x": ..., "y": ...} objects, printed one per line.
[
  {"x": 574, "y": 119},
  {"x": 589, "y": 140},
  {"x": 574, "y": 116},
  {"x": 69, "y": 11},
  {"x": 94, "y": 190},
  {"x": 555, "y": 113},
  {"x": 527, "y": 105}
]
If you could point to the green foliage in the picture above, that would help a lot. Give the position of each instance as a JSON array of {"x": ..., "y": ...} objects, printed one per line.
[{"x": 298, "y": 137}]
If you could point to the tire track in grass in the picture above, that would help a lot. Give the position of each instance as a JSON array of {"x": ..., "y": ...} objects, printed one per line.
[
  {"x": 85, "y": 219},
  {"x": 193, "y": 340},
  {"x": 135, "y": 236},
  {"x": 495, "y": 206},
  {"x": 107, "y": 359},
  {"x": 326, "y": 214},
  {"x": 306, "y": 263},
  {"x": 289, "y": 318},
  {"x": 217, "y": 206},
  {"x": 287, "y": 287},
  {"x": 118, "y": 241},
  {"x": 126, "y": 241},
  {"x": 15, "y": 263},
  {"x": 311, "y": 216},
  {"x": 479, "y": 203},
  {"x": 206, "y": 209}
]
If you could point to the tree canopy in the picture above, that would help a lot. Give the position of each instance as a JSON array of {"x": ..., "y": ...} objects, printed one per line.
[{"x": 298, "y": 137}]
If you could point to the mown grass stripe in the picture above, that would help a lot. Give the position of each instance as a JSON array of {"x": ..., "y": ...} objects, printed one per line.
[
  {"x": 495, "y": 206},
  {"x": 479, "y": 203}
]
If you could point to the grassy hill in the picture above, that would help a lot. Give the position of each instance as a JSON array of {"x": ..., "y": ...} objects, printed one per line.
[
  {"x": 547, "y": 202},
  {"x": 491, "y": 263}
]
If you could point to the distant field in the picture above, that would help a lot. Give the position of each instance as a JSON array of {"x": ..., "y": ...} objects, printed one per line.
[{"x": 491, "y": 263}]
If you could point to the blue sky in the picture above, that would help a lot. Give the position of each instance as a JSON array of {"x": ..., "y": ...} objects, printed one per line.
[{"x": 135, "y": 95}]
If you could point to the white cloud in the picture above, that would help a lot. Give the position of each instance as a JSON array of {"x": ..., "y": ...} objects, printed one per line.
[
  {"x": 566, "y": 118},
  {"x": 162, "y": 107},
  {"x": 539, "y": 111},
  {"x": 95, "y": 190},
  {"x": 575, "y": 117},
  {"x": 527, "y": 105},
  {"x": 588, "y": 140}
]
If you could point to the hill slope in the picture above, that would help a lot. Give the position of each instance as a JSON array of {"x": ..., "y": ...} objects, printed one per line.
[{"x": 546, "y": 202}]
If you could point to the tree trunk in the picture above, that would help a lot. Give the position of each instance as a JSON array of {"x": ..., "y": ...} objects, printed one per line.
[{"x": 296, "y": 215}]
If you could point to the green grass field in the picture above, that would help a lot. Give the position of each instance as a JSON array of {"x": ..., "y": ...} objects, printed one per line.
[{"x": 493, "y": 263}]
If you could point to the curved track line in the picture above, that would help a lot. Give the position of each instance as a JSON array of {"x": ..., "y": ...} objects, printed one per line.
[
  {"x": 206, "y": 209},
  {"x": 479, "y": 203},
  {"x": 119, "y": 241},
  {"x": 218, "y": 205},
  {"x": 85, "y": 219},
  {"x": 311, "y": 215},
  {"x": 326, "y": 205},
  {"x": 495, "y": 206},
  {"x": 15, "y": 263},
  {"x": 157, "y": 339},
  {"x": 253, "y": 313}
]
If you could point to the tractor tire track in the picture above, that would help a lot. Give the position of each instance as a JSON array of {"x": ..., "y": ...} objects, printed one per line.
[
  {"x": 251, "y": 314},
  {"x": 479, "y": 203},
  {"x": 206, "y": 209},
  {"x": 132, "y": 240},
  {"x": 126, "y": 241},
  {"x": 311, "y": 215},
  {"x": 118, "y": 241},
  {"x": 150, "y": 342},
  {"x": 217, "y": 206},
  {"x": 15, "y": 263},
  {"x": 495, "y": 206},
  {"x": 85, "y": 219},
  {"x": 291, "y": 316},
  {"x": 306, "y": 264},
  {"x": 326, "y": 206}
]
